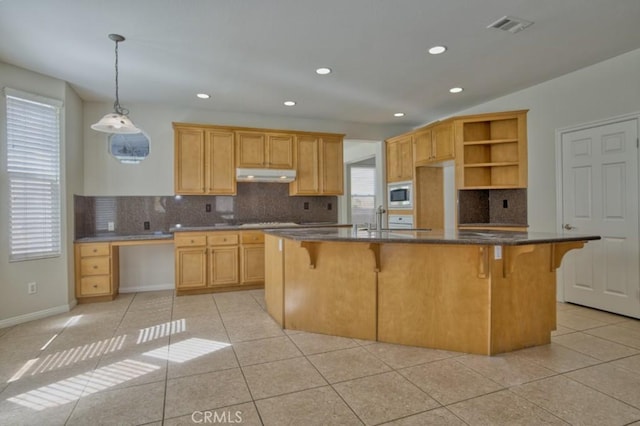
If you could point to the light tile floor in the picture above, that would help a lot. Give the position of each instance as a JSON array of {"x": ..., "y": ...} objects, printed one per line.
[{"x": 152, "y": 358}]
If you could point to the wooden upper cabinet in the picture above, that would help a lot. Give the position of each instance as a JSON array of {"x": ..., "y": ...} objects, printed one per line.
[
  {"x": 400, "y": 158},
  {"x": 422, "y": 146},
  {"x": 442, "y": 141},
  {"x": 204, "y": 162},
  {"x": 308, "y": 166},
  {"x": 331, "y": 166},
  {"x": 265, "y": 150},
  {"x": 319, "y": 166},
  {"x": 434, "y": 143},
  {"x": 220, "y": 162},
  {"x": 280, "y": 151},
  {"x": 189, "y": 161},
  {"x": 251, "y": 149}
]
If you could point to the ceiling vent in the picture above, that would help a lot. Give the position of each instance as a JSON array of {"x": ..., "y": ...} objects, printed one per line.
[{"x": 510, "y": 24}]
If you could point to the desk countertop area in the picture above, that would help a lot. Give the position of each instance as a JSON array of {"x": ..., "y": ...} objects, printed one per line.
[{"x": 128, "y": 239}]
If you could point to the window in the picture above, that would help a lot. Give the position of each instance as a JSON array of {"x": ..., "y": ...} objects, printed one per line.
[
  {"x": 33, "y": 169},
  {"x": 363, "y": 192}
]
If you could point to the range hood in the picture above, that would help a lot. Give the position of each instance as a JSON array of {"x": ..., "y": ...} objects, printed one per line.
[{"x": 265, "y": 175}]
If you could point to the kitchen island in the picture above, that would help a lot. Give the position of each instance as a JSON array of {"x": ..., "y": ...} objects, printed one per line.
[{"x": 482, "y": 292}]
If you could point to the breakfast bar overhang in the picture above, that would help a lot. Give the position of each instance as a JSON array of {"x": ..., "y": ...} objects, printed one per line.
[{"x": 483, "y": 292}]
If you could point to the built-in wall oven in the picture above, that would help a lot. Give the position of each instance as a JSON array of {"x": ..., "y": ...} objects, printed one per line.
[
  {"x": 400, "y": 195},
  {"x": 400, "y": 221}
]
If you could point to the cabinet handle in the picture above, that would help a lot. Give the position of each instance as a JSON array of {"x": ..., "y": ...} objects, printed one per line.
[
  {"x": 95, "y": 250},
  {"x": 224, "y": 239},
  {"x": 95, "y": 266},
  {"x": 192, "y": 241},
  {"x": 95, "y": 286}
]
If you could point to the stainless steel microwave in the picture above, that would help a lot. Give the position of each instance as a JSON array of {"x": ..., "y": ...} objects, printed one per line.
[{"x": 400, "y": 195}]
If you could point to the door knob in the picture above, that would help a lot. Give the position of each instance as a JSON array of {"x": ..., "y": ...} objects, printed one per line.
[{"x": 568, "y": 227}]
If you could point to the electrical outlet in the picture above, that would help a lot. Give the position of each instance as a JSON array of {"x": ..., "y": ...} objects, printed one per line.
[
  {"x": 329, "y": 206},
  {"x": 111, "y": 226},
  {"x": 207, "y": 208},
  {"x": 306, "y": 205},
  {"x": 505, "y": 204},
  {"x": 32, "y": 288},
  {"x": 147, "y": 226}
]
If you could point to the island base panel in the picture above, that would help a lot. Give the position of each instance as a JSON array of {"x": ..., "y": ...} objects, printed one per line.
[{"x": 335, "y": 293}]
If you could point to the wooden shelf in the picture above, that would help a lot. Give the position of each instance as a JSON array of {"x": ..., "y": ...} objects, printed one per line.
[
  {"x": 489, "y": 142},
  {"x": 492, "y": 187},
  {"x": 503, "y": 164}
]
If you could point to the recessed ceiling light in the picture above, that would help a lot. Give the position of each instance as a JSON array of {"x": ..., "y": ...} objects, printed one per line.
[
  {"x": 436, "y": 50},
  {"x": 289, "y": 103},
  {"x": 323, "y": 71},
  {"x": 399, "y": 114},
  {"x": 456, "y": 89},
  {"x": 203, "y": 96}
]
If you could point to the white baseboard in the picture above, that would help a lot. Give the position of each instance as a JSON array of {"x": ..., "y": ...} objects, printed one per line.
[
  {"x": 142, "y": 288},
  {"x": 9, "y": 322}
]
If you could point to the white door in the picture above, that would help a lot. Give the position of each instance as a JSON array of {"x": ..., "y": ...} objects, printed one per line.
[{"x": 600, "y": 196}]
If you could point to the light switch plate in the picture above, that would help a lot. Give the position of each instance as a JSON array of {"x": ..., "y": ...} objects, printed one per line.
[{"x": 111, "y": 226}]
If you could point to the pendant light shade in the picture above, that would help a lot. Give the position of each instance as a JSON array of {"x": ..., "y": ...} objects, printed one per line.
[{"x": 116, "y": 121}]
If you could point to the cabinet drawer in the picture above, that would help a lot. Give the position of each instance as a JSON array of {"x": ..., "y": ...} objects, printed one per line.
[
  {"x": 99, "y": 249},
  {"x": 217, "y": 239},
  {"x": 252, "y": 238},
  {"x": 98, "y": 265},
  {"x": 99, "y": 284},
  {"x": 189, "y": 240}
]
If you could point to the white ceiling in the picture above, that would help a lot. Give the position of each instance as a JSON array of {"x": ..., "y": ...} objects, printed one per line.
[{"x": 251, "y": 55}]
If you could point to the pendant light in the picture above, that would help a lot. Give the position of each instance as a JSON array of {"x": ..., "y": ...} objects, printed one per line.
[{"x": 117, "y": 121}]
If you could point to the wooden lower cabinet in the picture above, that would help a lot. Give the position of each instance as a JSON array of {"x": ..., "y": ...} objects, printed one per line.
[
  {"x": 218, "y": 261},
  {"x": 253, "y": 263},
  {"x": 191, "y": 267},
  {"x": 223, "y": 264},
  {"x": 96, "y": 272},
  {"x": 252, "y": 257}
]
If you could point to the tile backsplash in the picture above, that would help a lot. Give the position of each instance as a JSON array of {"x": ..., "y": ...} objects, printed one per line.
[
  {"x": 254, "y": 202},
  {"x": 493, "y": 206}
]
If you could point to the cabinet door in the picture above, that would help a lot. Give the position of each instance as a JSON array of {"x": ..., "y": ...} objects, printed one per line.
[
  {"x": 406, "y": 159},
  {"x": 423, "y": 149},
  {"x": 331, "y": 166},
  {"x": 307, "y": 166},
  {"x": 251, "y": 149},
  {"x": 223, "y": 266},
  {"x": 191, "y": 267},
  {"x": 442, "y": 135},
  {"x": 253, "y": 263},
  {"x": 189, "y": 175},
  {"x": 393, "y": 162},
  {"x": 220, "y": 163},
  {"x": 280, "y": 151}
]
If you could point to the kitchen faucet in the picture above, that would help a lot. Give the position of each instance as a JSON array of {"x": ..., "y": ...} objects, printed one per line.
[{"x": 379, "y": 212}]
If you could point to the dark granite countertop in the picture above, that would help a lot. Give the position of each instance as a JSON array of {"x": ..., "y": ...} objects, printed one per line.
[
  {"x": 257, "y": 226},
  {"x": 106, "y": 238},
  {"x": 466, "y": 237},
  {"x": 493, "y": 225},
  {"x": 110, "y": 237}
]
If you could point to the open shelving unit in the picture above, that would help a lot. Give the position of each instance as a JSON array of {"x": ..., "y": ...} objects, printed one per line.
[{"x": 492, "y": 151}]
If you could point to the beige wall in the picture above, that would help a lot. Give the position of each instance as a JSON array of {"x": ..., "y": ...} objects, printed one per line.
[
  {"x": 53, "y": 276},
  {"x": 608, "y": 89}
]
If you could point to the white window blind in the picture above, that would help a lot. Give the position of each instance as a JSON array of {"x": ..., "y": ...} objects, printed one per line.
[
  {"x": 363, "y": 194},
  {"x": 33, "y": 169}
]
